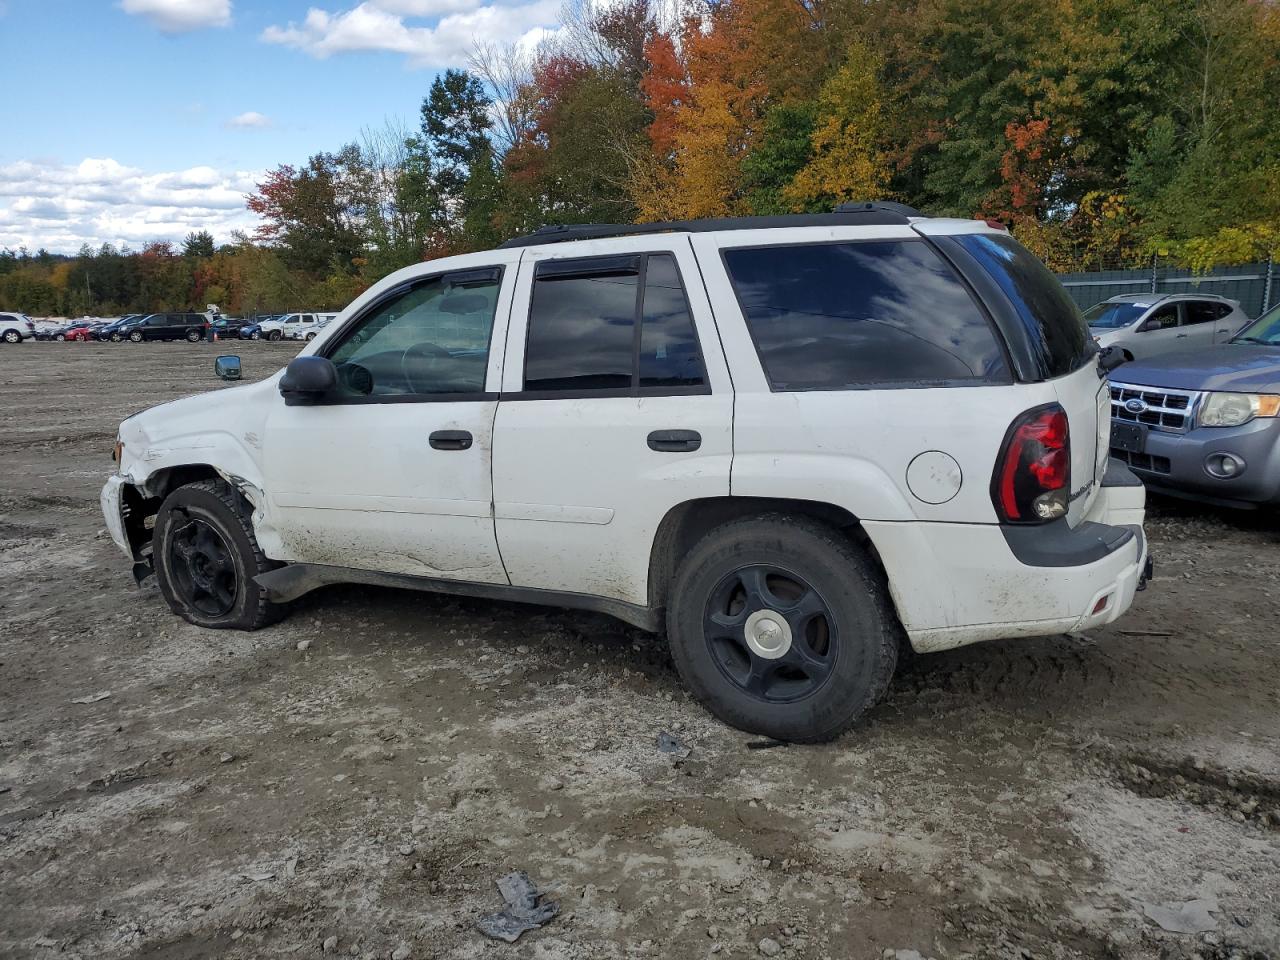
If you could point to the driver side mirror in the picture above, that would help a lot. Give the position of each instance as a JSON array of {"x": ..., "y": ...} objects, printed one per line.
[
  {"x": 227, "y": 368},
  {"x": 1150, "y": 325},
  {"x": 308, "y": 380}
]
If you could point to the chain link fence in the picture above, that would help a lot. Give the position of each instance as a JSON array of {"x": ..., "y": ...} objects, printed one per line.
[{"x": 1255, "y": 285}]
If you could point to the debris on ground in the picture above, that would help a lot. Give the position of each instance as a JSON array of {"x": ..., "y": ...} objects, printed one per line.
[
  {"x": 94, "y": 697},
  {"x": 669, "y": 743},
  {"x": 1191, "y": 916},
  {"x": 526, "y": 909},
  {"x": 765, "y": 744}
]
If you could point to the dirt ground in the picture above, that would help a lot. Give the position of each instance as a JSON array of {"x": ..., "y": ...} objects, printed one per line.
[{"x": 235, "y": 796}]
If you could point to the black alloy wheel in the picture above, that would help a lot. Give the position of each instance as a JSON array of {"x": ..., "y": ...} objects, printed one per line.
[
  {"x": 203, "y": 570},
  {"x": 771, "y": 633}
]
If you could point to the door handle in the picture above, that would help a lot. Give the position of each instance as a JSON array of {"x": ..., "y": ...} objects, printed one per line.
[
  {"x": 450, "y": 440},
  {"x": 1181, "y": 336},
  {"x": 675, "y": 441}
]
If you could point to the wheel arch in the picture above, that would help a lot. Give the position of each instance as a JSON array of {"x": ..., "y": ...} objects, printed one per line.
[{"x": 687, "y": 522}]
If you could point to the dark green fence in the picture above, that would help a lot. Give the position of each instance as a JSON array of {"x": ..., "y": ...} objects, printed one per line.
[{"x": 1255, "y": 285}]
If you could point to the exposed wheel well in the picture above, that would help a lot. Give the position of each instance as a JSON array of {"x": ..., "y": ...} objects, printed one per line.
[
  {"x": 1127, "y": 355},
  {"x": 687, "y": 522},
  {"x": 163, "y": 482}
]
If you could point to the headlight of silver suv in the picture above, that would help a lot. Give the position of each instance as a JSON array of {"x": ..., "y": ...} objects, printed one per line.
[{"x": 1233, "y": 409}]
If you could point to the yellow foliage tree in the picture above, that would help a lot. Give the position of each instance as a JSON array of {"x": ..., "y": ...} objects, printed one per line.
[{"x": 847, "y": 163}]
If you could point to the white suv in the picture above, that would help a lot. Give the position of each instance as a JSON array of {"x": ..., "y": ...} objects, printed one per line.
[
  {"x": 790, "y": 440},
  {"x": 16, "y": 327},
  {"x": 1142, "y": 327}
]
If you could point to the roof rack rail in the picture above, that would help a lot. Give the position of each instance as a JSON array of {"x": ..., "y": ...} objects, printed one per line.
[
  {"x": 890, "y": 206},
  {"x": 875, "y": 212}
]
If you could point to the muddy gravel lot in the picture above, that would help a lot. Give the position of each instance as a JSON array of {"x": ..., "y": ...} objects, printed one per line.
[{"x": 355, "y": 779}]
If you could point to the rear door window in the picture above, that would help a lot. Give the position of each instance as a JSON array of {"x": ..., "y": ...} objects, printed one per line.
[
  {"x": 883, "y": 313},
  {"x": 617, "y": 325},
  {"x": 1201, "y": 311}
]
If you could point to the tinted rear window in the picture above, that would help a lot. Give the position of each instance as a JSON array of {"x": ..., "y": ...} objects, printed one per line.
[
  {"x": 836, "y": 316},
  {"x": 1051, "y": 318}
]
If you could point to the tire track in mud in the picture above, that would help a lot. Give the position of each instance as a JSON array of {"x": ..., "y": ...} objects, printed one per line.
[{"x": 1241, "y": 796}]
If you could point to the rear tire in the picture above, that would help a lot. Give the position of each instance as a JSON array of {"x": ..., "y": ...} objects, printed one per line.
[
  {"x": 193, "y": 336},
  {"x": 206, "y": 556},
  {"x": 782, "y": 626},
  {"x": 135, "y": 337}
]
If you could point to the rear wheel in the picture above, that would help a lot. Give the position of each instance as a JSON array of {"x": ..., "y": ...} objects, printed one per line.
[
  {"x": 206, "y": 556},
  {"x": 311, "y": 336},
  {"x": 194, "y": 336},
  {"x": 781, "y": 626},
  {"x": 136, "y": 336}
]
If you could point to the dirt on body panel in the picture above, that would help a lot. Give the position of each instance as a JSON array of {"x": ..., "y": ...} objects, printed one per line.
[{"x": 236, "y": 796}]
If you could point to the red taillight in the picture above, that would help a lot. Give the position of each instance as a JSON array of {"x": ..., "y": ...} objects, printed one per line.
[{"x": 1033, "y": 476}]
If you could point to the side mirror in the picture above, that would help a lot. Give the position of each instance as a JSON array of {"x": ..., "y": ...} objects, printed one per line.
[
  {"x": 308, "y": 380},
  {"x": 227, "y": 368},
  {"x": 1149, "y": 325},
  {"x": 1110, "y": 358}
]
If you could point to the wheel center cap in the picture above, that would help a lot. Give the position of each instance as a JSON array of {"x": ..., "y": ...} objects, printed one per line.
[{"x": 768, "y": 634}]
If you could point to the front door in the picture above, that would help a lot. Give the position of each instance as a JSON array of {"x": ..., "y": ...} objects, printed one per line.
[
  {"x": 393, "y": 472},
  {"x": 1158, "y": 333},
  {"x": 616, "y": 407}
]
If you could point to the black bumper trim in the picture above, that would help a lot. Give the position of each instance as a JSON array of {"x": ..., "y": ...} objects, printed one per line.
[{"x": 1055, "y": 544}]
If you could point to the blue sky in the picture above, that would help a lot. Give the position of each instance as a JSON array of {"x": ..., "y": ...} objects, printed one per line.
[{"x": 139, "y": 120}]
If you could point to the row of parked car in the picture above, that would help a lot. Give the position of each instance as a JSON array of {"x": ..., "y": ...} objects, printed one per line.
[{"x": 194, "y": 327}]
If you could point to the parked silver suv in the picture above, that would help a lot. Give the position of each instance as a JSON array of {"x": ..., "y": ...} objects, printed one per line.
[{"x": 1144, "y": 327}]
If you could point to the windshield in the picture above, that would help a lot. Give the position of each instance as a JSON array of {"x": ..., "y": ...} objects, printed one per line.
[
  {"x": 1112, "y": 315},
  {"x": 1266, "y": 329}
]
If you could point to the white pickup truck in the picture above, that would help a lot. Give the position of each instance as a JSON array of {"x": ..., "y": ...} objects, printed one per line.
[
  {"x": 792, "y": 442},
  {"x": 296, "y": 326}
]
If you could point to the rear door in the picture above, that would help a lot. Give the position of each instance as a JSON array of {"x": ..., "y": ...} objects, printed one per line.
[
  {"x": 616, "y": 407},
  {"x": 1227, "y": 322},
  {"x": 1199, "y": 322}
]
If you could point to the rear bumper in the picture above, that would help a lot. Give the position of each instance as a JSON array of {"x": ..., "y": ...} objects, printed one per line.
[
  {"x": 956, "y": 584},
  {"x": 1174, "y": 463}
]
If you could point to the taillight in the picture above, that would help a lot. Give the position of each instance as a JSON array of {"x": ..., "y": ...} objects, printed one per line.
[{"x": 1033, "y": 475}]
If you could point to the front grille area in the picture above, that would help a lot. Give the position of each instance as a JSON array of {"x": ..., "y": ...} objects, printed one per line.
[
  {"x": 1142, "y": 461},
  {"x": 1164, "y": 409}
]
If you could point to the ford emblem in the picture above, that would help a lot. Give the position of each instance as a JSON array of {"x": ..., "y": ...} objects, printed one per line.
[{"x": 1136, "y": 405}]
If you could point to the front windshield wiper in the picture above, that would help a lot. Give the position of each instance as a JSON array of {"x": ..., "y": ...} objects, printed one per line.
[{"x": 1252, "y": 340}]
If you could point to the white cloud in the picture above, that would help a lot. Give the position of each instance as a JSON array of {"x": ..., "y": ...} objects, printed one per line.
[
  {"x": 181, "y": 16},
  {"x": 249, "y": 120},
  {"x": 59, "y": 206},
  {"x": 379, "y": 25}
]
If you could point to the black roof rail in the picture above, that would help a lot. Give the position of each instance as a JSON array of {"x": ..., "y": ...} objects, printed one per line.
[
  {"x": 890, "y": 206},
  {"x": 874, "y": 212}
]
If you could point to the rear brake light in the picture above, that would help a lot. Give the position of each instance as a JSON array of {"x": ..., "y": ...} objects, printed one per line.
[{"x": 1033, "y": 474}]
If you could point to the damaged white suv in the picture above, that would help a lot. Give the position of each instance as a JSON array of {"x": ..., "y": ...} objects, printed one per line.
[{"x": 793, "y": 441}]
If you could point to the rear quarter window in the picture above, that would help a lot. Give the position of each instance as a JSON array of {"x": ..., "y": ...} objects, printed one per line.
[
  {"x": 859, "y": 314},
  {"x": 1053, "y": 324}
]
